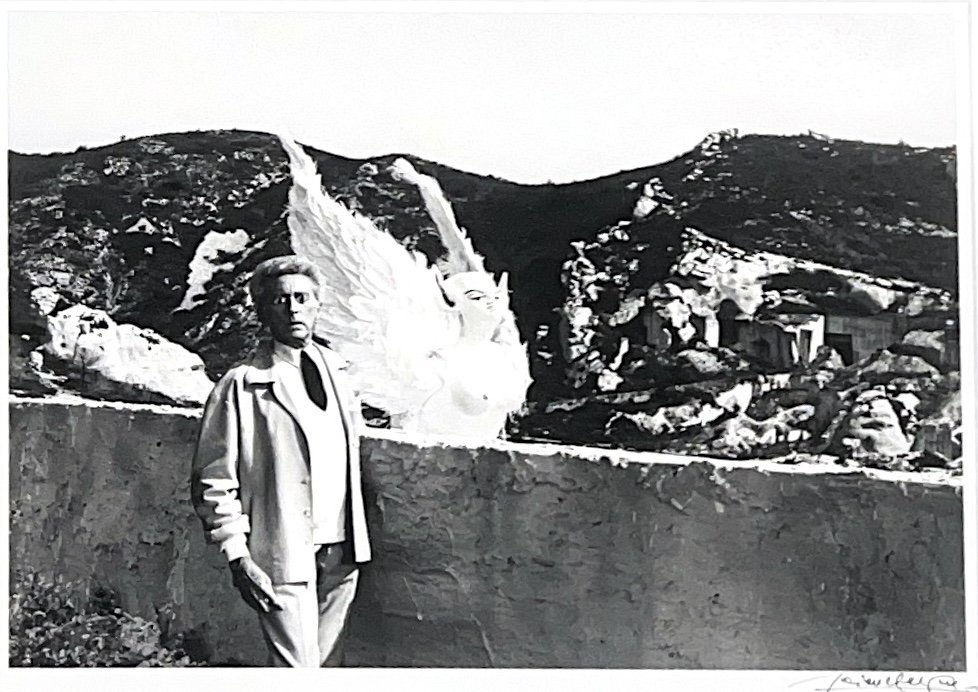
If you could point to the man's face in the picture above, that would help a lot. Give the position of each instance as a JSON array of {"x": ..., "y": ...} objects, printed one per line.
[{"x": 291, "y": 309}]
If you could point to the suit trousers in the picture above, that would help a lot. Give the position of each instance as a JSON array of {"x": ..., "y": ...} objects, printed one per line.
[{"x": 310, "y": 629}]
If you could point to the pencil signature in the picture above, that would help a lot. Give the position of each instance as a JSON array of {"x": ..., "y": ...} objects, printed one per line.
[{"x": 902, "y": 682}]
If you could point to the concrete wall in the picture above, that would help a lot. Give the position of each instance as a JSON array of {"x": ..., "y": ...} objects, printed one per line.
[
  {"x": 526, "y": 555},
  {"x": 869, "y": 334},
  {"x": 780, "y": 341},
  {"x": 768, "y": 341},
  {"x": 816, "y": 330}
]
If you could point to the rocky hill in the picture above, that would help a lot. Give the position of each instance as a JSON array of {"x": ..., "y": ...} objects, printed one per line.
[
  {"x": 160, "y": 233},
  {"x": 744, "y": 313}
]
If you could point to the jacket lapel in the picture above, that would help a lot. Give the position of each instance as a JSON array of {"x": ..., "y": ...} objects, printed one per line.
[
  {"x": 264, "y": 370},
  {"x": 282, "y": 395}
]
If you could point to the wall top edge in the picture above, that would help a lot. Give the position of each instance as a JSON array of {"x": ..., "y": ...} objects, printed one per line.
[
  {"x": 63, "y": 399},
  {"x": 615, "y": 457}
]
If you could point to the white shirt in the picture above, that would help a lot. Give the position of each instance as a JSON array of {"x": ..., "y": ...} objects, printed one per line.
[{"x": 328, "y": 450}]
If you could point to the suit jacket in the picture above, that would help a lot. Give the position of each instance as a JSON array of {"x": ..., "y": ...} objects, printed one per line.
[{"x": 250, "y": 473}]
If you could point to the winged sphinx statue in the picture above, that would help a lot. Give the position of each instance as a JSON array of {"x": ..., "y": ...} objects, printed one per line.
[{"x": 436, "y": 347}]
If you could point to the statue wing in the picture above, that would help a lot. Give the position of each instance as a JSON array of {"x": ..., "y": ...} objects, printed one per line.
[
  {"x": 382, "y": 308},
  {"x": 462, "y": 257}
]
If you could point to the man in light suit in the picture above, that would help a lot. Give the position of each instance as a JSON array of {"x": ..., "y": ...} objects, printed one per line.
[{"x": 276, "y": 475}]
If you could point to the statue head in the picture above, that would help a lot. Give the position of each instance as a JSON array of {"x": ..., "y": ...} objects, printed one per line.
[{"x": 478, "y": 298}]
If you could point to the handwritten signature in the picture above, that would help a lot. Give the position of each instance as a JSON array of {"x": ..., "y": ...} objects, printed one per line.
[{"x": 893, "y": 681}]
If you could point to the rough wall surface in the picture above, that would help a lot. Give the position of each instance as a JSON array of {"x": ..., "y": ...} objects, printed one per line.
[
  {"x": 869, "y": 334},
  {"x": 524, "y": 555}
]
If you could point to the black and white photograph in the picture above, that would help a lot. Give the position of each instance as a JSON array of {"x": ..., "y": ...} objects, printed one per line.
[{"x": 563, "y": 338}]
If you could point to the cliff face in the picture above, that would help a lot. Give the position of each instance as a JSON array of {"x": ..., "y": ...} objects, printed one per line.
[{"x": 620, "y": 284}]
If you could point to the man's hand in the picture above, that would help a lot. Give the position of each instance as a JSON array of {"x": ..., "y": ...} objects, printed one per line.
[{"x": 254, "y": 585}]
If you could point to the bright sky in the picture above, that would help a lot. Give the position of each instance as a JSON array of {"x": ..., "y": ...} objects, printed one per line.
[{"x": 524, "y": 96}]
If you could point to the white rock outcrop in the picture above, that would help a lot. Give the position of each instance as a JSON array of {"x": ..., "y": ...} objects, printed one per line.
[{"x": 122, "y": 361}]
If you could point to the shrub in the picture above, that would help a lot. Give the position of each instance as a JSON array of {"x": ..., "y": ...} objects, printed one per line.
[{"x": 54, "y": 622}]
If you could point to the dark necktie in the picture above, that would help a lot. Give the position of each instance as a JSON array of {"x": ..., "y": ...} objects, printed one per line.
[{"x": 313, "y": 381}]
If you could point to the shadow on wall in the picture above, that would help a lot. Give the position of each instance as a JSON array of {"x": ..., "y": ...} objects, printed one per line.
[{"x": 524, "y": 555}]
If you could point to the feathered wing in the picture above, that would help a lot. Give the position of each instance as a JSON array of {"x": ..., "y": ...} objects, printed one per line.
[
  {"x": 462, "y": 257},
  {"x": 382, "y": 308}
]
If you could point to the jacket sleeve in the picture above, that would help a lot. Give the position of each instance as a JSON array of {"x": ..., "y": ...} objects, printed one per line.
[{"x": 214, "y": 486}]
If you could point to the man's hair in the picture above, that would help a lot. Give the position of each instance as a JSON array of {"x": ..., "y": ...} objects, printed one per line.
[{"x": 269, "y": 270}]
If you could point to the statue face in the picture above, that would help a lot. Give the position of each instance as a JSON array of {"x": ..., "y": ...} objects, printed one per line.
[
  {"x": 291, "y": 309},
  {"x": 477, "y": 296}
]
